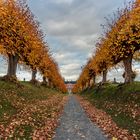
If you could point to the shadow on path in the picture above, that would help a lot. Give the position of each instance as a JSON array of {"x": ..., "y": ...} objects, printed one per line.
[{"x": 75, "y": 125}]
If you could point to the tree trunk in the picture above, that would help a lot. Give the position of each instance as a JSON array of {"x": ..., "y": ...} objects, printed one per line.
[
  {"x": 128, "y": 69},
  {"x": 12, "y": 65},
  {"x": 44, "y": 80},
  {"x": 94, "y": 80},
  {"x": 50, "y": 83},
  {"x": 34, "y": 72},
  {"x": 82, "y": 86},
  {"x": 104, "y": 76},
  {"x": 88, "y": 83}
]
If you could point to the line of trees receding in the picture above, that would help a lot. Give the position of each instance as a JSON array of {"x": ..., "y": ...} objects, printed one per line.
[
  {"x": 119, "y": 42},
  {"x": 22, "y": 41}
]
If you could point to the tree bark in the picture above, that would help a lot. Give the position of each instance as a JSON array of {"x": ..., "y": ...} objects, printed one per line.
[
  {"x": 34, "y": 72},
  {"x": 104, "y": 76},
  {"x": 88, "y": 83},
  {"x": 94, "y": 80},
  {"x": 44, "y": 79},
  {"x": 82, "y": 86},
  {"x": 128, "y": 78},
  {"x": 12, "y": 65},
  {"x": 50, "y": 83}
]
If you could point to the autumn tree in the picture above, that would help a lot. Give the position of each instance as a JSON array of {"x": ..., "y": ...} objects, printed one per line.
[
  {"x": 119, "y": 42},
  {"x": 22, "y": 41},
  {"x": 12, "y": 33},
  {"x": 18, "y": 33},
  {"x": 122, "y": 39}
]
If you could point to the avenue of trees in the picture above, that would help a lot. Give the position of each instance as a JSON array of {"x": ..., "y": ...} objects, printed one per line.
[
  {"x": 120, "y": 42},
  {"x": 22, "y": 42}
]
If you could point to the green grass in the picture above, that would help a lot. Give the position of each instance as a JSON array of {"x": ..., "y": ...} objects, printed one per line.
[
  {"x": 17, "y": 101},
  {"x": 119, "y": 101}
]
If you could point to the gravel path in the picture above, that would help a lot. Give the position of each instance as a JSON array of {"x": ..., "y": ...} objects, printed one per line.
[{"x": 75, "y": 125}]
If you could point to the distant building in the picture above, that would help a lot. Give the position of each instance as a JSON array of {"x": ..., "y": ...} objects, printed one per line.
[{"x": 70, "y": 85}]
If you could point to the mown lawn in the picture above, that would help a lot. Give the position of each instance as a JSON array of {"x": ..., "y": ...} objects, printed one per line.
[
  {"x": 28, "y": 111},
  {"x": 120, "y": 101}
]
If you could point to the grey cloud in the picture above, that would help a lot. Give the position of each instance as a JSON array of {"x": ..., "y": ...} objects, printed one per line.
[
  {"x": 72, "y": 28},
  {"x": 70, "y": 71}
]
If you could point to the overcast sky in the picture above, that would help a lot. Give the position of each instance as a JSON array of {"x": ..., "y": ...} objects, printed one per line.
[{"x": 72, "y": 28}]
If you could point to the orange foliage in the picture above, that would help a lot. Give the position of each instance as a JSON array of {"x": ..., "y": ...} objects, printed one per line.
[
  {"x": 120, "y": 41},
  {"x": 22, "y": 40}
]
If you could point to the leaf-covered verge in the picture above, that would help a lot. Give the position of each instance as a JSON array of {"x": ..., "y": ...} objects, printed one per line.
[
  {"x": 116, "y": 108},
  {"x": 29, "y": 112}
]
